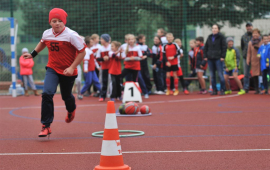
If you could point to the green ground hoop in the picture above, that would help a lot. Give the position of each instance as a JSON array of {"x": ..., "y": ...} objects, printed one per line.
[{"x": 99, "y": 134}]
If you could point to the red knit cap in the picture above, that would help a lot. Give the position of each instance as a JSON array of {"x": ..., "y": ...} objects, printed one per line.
[{"x": 58, "y": 13}]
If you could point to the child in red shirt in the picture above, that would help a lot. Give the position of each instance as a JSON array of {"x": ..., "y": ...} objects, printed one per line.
[
  {"x": 115, "y": 69},
  {"x": 66, "y": 51},
  {"x": 170, "y": 53}
]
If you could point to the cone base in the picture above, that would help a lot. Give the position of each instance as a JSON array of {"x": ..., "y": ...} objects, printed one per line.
[{"x": 124, "y": 167}]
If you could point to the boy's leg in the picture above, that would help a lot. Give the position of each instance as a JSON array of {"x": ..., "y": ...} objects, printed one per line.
[
  {"x": 176, "y": 82},
  {"x": 246, "y": 73},
  {"x": 95, "y": 81},
  {"x": 201, "y": 80},
  {"x": 168, "y": 82},
  {"x": 142, "y": 84},
  {"x": 181, "y": 79},
  {"x": 236, "y": 79},
  {"x": 50, "y": 84},
  {"x": 25, "y": 83},
  {"x": 172, "y": 83},
  {"x": 118, "y": 86},
  {"x": 219, "y": 67},
  {"x": 212, "y": 68},
  {"x": 135, "y": 75},
  {"x": 113, "y": 94},
  {"x": 226, "y": 77},
  {"x": 265, "y": 81},
  {"x": 31, "y": 82},
  {"x": 88, "y": 81},
  {"x": 66, "y": 84},
  {"x": 104, "y": 83}
]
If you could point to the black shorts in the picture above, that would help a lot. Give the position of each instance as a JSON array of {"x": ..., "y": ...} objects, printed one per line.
[{"x": 172, "y": 68}]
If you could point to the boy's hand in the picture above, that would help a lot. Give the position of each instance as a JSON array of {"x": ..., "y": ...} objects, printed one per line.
[
  {"x": 267, "y": 64},
  {"x": 27, "y": 56},
  {"x": 168, "y": 64},
  {"x": 221, "y": 59},
  {"x": 201, "y": 66},
  {"x": 235, "y": 70},
  {"x": 68, "y": 71},
  {"x": 106, "y": 58},
  {"x": 144, "y": 57},
  {"x": 171, "y": 58},
  {"x": 227, "y": 70},
  {"x": 132, "y": 58},
  {"x": 154, "y": 66}
]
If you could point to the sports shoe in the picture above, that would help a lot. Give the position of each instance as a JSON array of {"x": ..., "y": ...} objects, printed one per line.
[
  {"x": 228, "y": 92},
  {"x": 113, "y": 99},
  {"x": 266, "y": 92},
  {"x": 101, "y": 99},
  {"x": 168, "y": 92},
  {"x": 87, "y": 94},
  {"x": 160, "y": 92},
  {"x": 204, "y": 92},
  {"x": 45, "y": 131},
  {"x": 146, "y": 96},
  {"x": 80, "y": 97},
  {"x": 176, "y": 92},
  {"x": 221, "y": 93},
  {"x": 214, "y": 93},
  {"x": 210, "y": 90},
  {"x": 186, "y": 91},
  {"x": 70, "y": 116},
  {"x": 242, "y": 91}
]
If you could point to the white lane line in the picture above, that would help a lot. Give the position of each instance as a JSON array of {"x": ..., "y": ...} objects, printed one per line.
[
  {"x": 136, "y": 152},
  {"x": 153, "y": 102}
]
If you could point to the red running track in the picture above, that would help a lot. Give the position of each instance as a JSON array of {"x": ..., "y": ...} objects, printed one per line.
[{"x": 213, "y": 133}]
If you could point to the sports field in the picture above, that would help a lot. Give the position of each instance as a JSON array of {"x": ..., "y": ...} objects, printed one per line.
[{"x": 195, "y": 132}]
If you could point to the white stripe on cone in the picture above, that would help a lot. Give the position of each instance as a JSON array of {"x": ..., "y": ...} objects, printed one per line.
[
  {"x": 110, "y": 121},
  {"x": 111, "y": 148}
]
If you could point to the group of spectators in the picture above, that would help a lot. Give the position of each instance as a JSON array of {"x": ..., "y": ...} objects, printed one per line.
[{"x": 102, "y": 64}]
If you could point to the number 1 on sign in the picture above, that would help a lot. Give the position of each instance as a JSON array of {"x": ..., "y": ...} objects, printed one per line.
[
  {"x": 120, "y": 151},
  {"x": 131, "y": 89}
]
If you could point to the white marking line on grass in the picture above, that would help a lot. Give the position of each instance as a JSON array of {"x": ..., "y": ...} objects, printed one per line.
[
  {"x": 153, "y": 102},
  {"x": 136, "y": 152}
]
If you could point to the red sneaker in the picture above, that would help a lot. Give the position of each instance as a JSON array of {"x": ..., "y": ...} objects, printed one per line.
[
  {"x": 101, "y": 99},
  {"x": 45, "y": 131},
  {"x": 70, "y": 116},
  {"x": 186, "y": 91}
]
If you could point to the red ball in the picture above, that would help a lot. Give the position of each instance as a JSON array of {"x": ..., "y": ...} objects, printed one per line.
[
  {"x": 145, "y": 109},
  {"x": 131, "y": 108}
]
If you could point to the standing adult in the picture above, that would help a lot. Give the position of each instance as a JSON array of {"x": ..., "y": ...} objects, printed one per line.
[
  {"x": 252, "y": 59},
  {"x": 26, "y": 72},
  {"x": 244, "y": 46},
  {"x": 215, "y": 51}
]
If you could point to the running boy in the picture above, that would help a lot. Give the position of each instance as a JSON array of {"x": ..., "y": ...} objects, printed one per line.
[
  {"x": 231, "y": 66},
  {"x": 103, "y": 56},
  {"x": 89, "y": 69},
  {"x": 66, "y": 51},
  {"x": 170, "y": 53}
]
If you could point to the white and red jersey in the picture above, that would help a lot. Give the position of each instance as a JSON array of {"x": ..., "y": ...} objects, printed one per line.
[
  {"x": 63, "y": 48},
  {"x": 95, "y": 49},
  {"x": 115, "y": 68},
  {"x": 134, "y": 51},
  {"x": 143, "y": 47},
  {"x": 102, "y": 52},
  {"x": 88, "y": 61}
]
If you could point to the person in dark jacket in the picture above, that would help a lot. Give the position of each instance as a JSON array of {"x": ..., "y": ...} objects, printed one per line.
[
  {"x": 215, "y": 52},
  {"x": 244, "y": 47}
]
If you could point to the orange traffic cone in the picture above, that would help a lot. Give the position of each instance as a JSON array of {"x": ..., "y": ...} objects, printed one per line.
[{"x": 111, "y": 154}]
